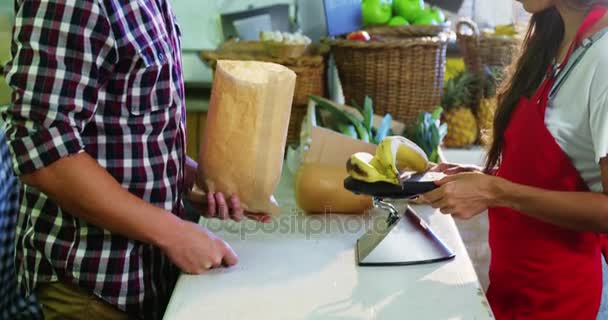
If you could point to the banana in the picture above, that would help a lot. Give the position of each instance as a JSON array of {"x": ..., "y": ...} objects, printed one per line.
[
  {"x": 359, "y": 167},
  {"x": 394, "y": 155},
  {"x": 399, "y": 154},
  {"x": 506, "y": 30}
]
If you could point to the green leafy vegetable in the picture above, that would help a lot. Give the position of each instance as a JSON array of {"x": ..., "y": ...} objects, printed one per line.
[
  {"x": 341, "y": 116},
  {"x": 383, "y": 129},
  {"x": 368, "y": 113},
  {"x": 428, "y": 133},
  {"x": 349, "y": 130}
]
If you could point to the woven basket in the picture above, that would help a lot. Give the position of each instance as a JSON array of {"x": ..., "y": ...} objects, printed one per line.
[
  {"x": 408, "y": 31},
  {"x": 309, "y": 68},
  {"x": 479, "y": 50},
  {"x": 402, "y": 76}
]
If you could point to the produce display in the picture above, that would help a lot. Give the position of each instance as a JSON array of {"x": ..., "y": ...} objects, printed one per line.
[
  {"x": 285, "y": 38},
  {"x": 394, "y": 156},
  {"x": 458, "y": 97},
  {"x": 399, "y": 13},
  {"x": 508, "y": 30},
  {"x": 428, "y": 132},
  {"x": 351, "y": 125},
  {"x": 319, "y": 188},
  {"x": 243, "y": 94}
]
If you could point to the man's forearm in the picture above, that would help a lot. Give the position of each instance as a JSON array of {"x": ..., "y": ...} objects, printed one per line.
[{"x": 80, "y": 186}]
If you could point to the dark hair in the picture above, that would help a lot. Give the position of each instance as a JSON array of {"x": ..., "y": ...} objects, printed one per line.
[{"x": 540, "y": 46}]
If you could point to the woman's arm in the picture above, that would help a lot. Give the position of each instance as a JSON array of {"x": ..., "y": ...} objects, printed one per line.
[
  {"x": 575, "y": 210},
  {"x": 468, "y": 194}
]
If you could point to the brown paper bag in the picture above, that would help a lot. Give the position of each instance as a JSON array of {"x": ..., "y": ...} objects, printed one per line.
[{"x": 244, "y": 140}]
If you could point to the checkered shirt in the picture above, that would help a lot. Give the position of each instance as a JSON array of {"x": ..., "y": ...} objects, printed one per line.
[
  {"x": 12, "y": 304},
  {"x": 102, "y": 77}
]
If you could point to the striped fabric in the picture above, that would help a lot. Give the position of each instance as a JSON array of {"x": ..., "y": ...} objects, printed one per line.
[{"x": 102, "y": 77}]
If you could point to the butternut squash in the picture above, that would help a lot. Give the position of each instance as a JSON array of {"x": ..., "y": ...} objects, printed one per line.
[{"x": 319, "y": 188}]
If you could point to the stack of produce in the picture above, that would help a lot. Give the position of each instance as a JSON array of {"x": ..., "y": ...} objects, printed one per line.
[
  {"x": 352, "y": 126},
  {"x": 458, "y": 100},
  {"x": 508, "y": 31},
  {"x": 285, "y": 38},
  {"x": 399, "y": 13}
]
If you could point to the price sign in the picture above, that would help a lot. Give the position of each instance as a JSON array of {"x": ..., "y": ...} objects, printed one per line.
[{"x": 343, "y": 16}]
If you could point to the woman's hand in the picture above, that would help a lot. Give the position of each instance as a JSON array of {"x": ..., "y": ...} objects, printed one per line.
[
  {"x": 463, "y": 195},
  {"x": 454, "y": 168}
]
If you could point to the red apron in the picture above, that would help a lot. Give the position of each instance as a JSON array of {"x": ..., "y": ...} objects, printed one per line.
[{"x": 538, "y": 270}]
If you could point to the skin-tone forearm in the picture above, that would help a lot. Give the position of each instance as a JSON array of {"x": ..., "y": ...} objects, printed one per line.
[
  {"x": 574, "y": 210},
  {"x": 79, "y": 185},
  {"x": 465, "y": 194}
]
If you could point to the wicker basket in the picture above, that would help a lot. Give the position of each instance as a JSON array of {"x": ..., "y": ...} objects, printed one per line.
[
  {"x": 403, "y": 76},
  {"x": 281, "y": 50},
  {"x": 479, "y": 50},
  {"x": 408, "y": 31},
  {"x": 309, "y": 68}
]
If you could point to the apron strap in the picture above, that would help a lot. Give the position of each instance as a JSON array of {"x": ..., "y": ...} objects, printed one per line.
[
  {"x": 575, "y": 58},
  {"x": 579, "y": 46}
]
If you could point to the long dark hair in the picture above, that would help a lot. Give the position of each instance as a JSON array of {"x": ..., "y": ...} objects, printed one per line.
[{"x": 540, "y": 46}]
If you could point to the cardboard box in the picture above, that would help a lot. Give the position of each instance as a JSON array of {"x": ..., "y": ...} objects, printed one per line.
[{"x": 324, "y": 145}]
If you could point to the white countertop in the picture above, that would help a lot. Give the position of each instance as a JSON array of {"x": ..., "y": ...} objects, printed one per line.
[{"x": 304, "y": 267}]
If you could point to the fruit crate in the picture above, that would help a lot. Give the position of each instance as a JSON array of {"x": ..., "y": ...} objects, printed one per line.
[{"x": 403, "y": 76}]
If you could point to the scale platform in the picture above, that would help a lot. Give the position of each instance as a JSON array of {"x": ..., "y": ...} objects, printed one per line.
[{"x": 403, "y": 238}]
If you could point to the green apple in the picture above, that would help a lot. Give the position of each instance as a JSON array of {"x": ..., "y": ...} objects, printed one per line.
[
  {"x": 437, "y": 14},
  {"x": 398, "y": 21},
  {"x": 425, "y": 20},
  {"x": 409, "y": 9},
  {"x": 427, "y": 17},
  {"x": 376, "y": 12}
]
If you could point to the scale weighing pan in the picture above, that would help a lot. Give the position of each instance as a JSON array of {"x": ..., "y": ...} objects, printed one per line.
[{"x": 401, "y": 238}]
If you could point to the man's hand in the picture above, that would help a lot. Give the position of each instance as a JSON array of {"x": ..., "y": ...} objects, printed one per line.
[
  {"x": 194, "y": 249},
  {"x": 215, "y": 205}
]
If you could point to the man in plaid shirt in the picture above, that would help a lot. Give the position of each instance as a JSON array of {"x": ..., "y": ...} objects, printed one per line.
[{"x": 96, "y": 131}]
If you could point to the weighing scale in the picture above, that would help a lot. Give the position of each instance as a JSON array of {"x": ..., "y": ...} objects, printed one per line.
[{"x": 403, "y": 238}]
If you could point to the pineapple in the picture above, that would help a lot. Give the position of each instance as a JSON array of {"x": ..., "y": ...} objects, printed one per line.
[
  {"x": 457, "y": 100},
  {"x": 488, "y": 103}
]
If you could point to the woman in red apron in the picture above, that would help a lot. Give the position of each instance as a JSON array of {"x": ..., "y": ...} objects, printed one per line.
[{"x": 546, "y": 225}]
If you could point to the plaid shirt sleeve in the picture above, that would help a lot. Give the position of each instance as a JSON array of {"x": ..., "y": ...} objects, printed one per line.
[{"x": 64, "y": 55}]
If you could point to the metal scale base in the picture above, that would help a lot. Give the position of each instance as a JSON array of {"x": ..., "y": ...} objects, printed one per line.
[{"x": 403, "y": 238}]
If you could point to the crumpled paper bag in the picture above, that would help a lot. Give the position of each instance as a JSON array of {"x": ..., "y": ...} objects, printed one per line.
[{"x": 246, "y": 131}]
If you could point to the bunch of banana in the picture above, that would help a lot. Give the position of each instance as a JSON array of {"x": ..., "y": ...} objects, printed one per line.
[
  {"x": 394, "y": 156},
  {"x": 507, "y": 30}
]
